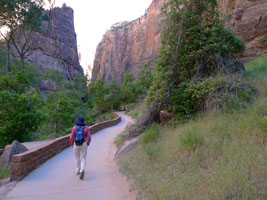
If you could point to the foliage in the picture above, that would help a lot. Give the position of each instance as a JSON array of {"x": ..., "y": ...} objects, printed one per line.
[
  {"x": 21, "y": 18},
  {"x": 222, "y": 154},
  {"x": 195, "y": 46},
  {"x": 62, "y": 106},
  {"x": 144, "y": 80},
  {"x": 152, "y": 150},
  {"x": 4, "y": 172},
  {"x": 189, "y": 97},
  {"x": 150, "y": 135},
  {"x": 20, "y": 104},
  {"x": 120, "y": 139},
  {"x": 97, "y": 92},
  {"x": 114, "y": 95},
  {"x": 192, "y": 138},
  {"x": 128, "y": 90}
]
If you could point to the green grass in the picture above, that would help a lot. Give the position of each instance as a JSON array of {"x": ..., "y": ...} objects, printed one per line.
[
  {"x": 5, "y": 172},
  {"x": 215, "y": 156},
  {"x": 150, "y": 135},
  {"x": 120, "y": 139},
  {"x": 192, "y": 138},
  {"x": 105, "y": 117},
  {"x": 136, "y": 110}
]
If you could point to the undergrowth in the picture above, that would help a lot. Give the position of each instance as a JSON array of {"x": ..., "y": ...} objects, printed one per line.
[
  {"x": 4, "y": 172},
  {"x": 214, "y": 156}
]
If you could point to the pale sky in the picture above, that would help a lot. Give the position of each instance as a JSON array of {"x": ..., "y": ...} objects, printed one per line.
[{"x": 93, "y": 18}]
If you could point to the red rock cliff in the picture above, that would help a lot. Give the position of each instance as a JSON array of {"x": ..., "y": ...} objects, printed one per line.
[
  {"x": 129, "y": 45},
  {"x": 248, "y": 19},
  {"x": 56, "y": 47}
]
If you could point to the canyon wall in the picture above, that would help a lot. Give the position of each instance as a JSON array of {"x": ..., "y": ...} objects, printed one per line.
[
  {"x": 56, "y": 47},
  {"x": 129, "y": 45},
  {"x": 248, "y": 19}
]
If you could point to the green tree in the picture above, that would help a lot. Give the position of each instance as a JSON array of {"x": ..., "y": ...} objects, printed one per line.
[
  {"x": 59, "y": 108},
  {"x": 114, "y": 95},
  {"x": 59, "y": 111},
  {"x": 62, "y": 106},
  {"x": 20, "y": 107},
  {"x": 144, "y": 81},
  {"x": 97, "y": 92},
  {"x": 195, "y": 46},
  {"x": 128, "y": 89},
  {"x": 21, "y": 18}
]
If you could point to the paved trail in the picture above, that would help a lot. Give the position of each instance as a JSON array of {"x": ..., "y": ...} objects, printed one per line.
[{"x": 56, "y": 179}]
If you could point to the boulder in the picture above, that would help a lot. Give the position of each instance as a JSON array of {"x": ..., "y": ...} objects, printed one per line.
[
  {"x": 127, "y": 147},
  {"x": 165, "y": 116},
  {"x": 9, "y": 151}
]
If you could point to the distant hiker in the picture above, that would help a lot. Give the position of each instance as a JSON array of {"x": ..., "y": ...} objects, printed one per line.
[{"x": 80, "y": 138}]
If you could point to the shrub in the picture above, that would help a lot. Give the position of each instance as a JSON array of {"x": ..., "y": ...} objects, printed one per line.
[
  {"x": 195, "y": 47},
  {"x": 120, "y": 139},
  {"x": 261, "y": 117},
  {"x": 152, "y": 150},
  {"x": 150, "y": 134},
  {"x": 192, "y": 138},
  {"x": 4, "y": 172}
]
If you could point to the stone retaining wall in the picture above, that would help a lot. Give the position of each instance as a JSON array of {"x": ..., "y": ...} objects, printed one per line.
[{"x": 22, "y": 164}]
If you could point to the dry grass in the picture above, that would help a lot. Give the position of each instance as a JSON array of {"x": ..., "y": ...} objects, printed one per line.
[
  {"x": 215, "y": 156},
  {"x": 4, "y": 172}
]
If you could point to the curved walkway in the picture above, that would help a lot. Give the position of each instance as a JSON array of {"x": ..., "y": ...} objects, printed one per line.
[{"x": 56, "y": 179}]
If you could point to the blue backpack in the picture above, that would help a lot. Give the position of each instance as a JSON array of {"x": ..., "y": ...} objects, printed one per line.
[{"x": 79, "y": 135}]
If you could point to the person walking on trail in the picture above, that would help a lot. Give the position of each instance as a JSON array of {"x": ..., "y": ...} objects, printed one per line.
[{"x": 80, "y": 138}]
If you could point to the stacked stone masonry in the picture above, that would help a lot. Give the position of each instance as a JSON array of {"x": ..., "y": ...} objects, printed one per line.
[{"x": 22, "y": 164}]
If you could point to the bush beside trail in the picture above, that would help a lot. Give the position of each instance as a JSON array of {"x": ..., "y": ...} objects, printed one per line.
[{"x": 215, "y": 155}]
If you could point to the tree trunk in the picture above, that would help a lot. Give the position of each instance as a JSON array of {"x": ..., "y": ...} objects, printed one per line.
[{"x": 22, "y": 62}]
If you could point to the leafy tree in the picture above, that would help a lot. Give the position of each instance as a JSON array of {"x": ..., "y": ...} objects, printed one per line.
[
  {"x": 64, "y": 104},
  {"x": 59, "y": 111},
  {"x": 128, "y": 89},
  {"x": 114, "y": 95},
  {"x": 144, "y": 81},
  {"x": 32, "y": 22},
  {"x": 21, "y": 18},
  {"x": 77, "y": 92},
  {"x": 20, "y": 105},
  {"x": 195, "y": 46},
  {"x": 97, "y": 92}
]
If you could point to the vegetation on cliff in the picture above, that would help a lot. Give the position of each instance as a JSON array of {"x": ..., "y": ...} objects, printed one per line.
[
  {"x": 218, "y": 155},
  {"x": 196, "y": 50},
  {"x": 215, "y": 145},
  {"x": 197, "y": 67},
  {"x": 24, "y": 114}
]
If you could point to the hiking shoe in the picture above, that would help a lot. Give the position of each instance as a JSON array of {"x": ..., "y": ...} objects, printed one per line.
[
  {"x": 78, "y": 173},
  {"x": 82, "y": 176}
]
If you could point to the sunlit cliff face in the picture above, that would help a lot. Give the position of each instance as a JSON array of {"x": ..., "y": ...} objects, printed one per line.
[{"x": 131, "y": 45}]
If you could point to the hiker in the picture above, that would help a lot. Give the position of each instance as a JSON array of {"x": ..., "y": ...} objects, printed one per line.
[{"x": 80, "y": 138}]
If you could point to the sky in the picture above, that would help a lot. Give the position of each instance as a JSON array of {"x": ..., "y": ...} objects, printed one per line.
[{"x": 92, "y": 18}]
